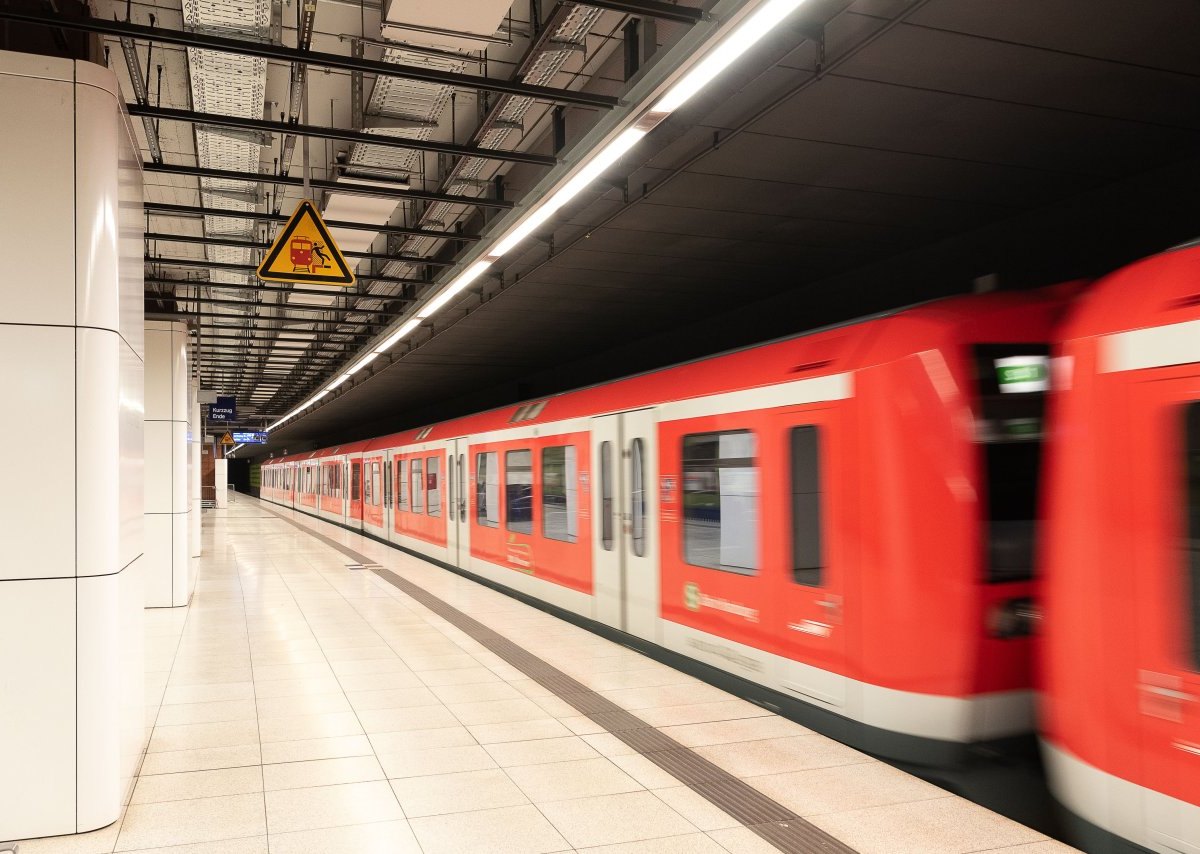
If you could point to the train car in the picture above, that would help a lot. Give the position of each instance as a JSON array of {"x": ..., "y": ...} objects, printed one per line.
[
  {"x": 845, "y": 518},
  {"x": 1122, "y": 562}
]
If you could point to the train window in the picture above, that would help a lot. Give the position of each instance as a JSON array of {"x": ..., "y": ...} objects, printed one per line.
[
  {"x": 402, "y": 484},
  {"x": 355, "y": 481},
  {"x": 462, "y": 488},
  {"x": 1012, "y": 382},
  {"x": 1192, "y": 442},
  {"x": 606, "y": 496},
  {"x": 387, "y": 484},
  {"x": 720, "y": 501},
  {"x": 487, "y": 490},
  {"x": 432, "y": 483},
  {"x": 560, "y": 494},
  {"x": 807, "y": 560},
  {"x": 376, "y": 493},
  {"x": 417, "y": 498},
  {"x": 637, "y": 496},
  {"x": 518, "y": 491},
  {"x": 450, "y": 486}
]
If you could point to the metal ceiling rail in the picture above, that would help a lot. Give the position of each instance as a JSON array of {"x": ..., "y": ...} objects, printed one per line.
[
  {"x": 216, "y": 240},
  {"x": 318, "y": 351},
  {"x": 287, "y": 306},
  {"x": 361, "y": 137},
  {"x": 321, "y": 184},
  {"x": 346, "y": 293},
  {"x": 189, "y": 212},
  {"x": 281, "y": 53},
  {"x": 317, "y": 338},
  {"x": 227, "y": 265},
  {"x": 649, "y": 9}
]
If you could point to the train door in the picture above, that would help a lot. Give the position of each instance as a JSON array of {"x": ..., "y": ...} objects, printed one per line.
[
  {"x": 345, "y": 490},
  {"x": 458, "y": 532},
  {"x": 389, "y": 496},
  {"x": 624, "y": 539},
  {"x": 812, "y": 583},
  {"x": 1165, "y": 527}
]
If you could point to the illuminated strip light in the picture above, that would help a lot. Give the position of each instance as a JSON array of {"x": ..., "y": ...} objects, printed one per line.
[{"x": 744, "y": 37}]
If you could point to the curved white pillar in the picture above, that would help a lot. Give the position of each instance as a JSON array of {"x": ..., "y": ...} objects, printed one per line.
[
  {"x": 72, "y": 721},
  {"x": 168, "y": 555}
]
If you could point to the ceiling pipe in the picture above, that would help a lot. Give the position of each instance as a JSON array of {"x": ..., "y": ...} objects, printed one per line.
[{"x": 187, "y": 211}]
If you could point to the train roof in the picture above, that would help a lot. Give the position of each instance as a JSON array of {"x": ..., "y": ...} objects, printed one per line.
[
  {"x": 1155, "y": 291},
  {"x": 819, "y": 352}
]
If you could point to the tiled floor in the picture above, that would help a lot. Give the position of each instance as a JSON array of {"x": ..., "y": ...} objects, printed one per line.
[{"x": 306, "y": 707}]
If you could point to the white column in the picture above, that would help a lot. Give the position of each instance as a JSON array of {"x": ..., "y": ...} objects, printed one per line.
[
  {"x": 221, "y": 482},
  {"x": 196, "y": 442},
  {"x": 72, "y": 720},
  {"x": 168, "y": 558}
]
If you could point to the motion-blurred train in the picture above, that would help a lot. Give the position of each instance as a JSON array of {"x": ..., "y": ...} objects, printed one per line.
[{"x": 849, "y": 521}]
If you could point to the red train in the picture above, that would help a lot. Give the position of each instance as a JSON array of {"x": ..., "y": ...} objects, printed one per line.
[{"x": 847, "y": 519}]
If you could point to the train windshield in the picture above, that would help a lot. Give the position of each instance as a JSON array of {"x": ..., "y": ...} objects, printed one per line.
[{"x": 1009, "y": 427}]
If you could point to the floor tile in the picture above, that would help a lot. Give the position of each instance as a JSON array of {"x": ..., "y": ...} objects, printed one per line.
[
  {"x": 331, "y": 806},
  {"x": 695, "y": 808},
  {"x": 316, "y": 748},
  {"x": 401, "y": 720},
  {"x": 248, "y": 845},
  {"x": 539, "y": 751},
  {"x": 438, "y": 760},
  {"x": 200, "y": 736},
  {"x": 99, "y": 841},
  {"x": 192, "y": 821},
  {"x": 303, "y": 727},
  {"x": 844, "y": 787},
  {"x": 321, "y": 772},
  {"x": 579, "y": 779},
  {"x": 462, "y": 792},
  {"x": 594, "y": 821},
  {"x": 497, "y": 711},
  {"x": 692, "y": 843},
  {"x": 385, "y": 837},
  {"x": 203, "y": 713},
  {"x": 169, "y": 762},
  {"x": 308, "y": 704},
  {"x": 510, "y": 830},
  {"x": 780, "y": 755},
  {"x": 737, "y": 729},
  {"x": 156, "y": 788},
  {"x": 395, "y": 698},
  {"x": 946, "y": 825},
  {"x": 518, "y": 731}
]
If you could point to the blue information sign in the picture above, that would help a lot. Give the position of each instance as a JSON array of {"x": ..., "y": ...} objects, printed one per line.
[
  {"x": 225, "y": 409},
  {"x": 250, "y": 438}
]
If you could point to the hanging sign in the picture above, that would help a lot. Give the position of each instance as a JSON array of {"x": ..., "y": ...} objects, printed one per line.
[
  {"x": 227, "y": 439},
  {"x": 250, "y": 438},
  {"x": 225, "y": 409},
  {"x": 304, "y": 252}
]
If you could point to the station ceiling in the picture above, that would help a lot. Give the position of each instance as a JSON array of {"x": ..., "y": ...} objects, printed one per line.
[{"x": 866, "y": 155}]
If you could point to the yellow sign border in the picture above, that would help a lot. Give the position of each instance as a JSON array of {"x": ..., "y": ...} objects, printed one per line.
[{"x": 306, "y": 208}]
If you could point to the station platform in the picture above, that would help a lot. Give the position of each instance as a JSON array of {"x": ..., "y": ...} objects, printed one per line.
[{"x": 301, "y": 705}]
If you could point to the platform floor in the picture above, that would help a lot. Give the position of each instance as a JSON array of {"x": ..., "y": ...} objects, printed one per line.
[{"x": 301, "y": 706}]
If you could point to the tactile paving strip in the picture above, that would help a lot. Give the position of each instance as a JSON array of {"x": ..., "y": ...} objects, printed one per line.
[{"x": 760, "y": 814}]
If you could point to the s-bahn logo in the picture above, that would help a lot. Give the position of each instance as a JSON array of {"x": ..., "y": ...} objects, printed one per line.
[{"x": 691, "y": 596}]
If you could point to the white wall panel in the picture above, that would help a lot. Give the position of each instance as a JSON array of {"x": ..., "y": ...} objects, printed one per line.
[
  {"x": 135, "y": 732},
  {"x": 132, "y": 448},
  {"x": 97, "y": 293},
  {"x": 39, "y": 266},
  {"x": 37, "y": 715},
  {"x": 97, "y": 442},
  {"x": 37, "y": 515},
  {"x": 181, "y": 586},
  {"x": 157, "y": 571},
  {"x": 98, "y": 650},
  {"x": 180, "y": 453},
  {"x": 194, "y": 472},
  {"x": 159, "y": 482},
  {"x": 160, "y": 373}
]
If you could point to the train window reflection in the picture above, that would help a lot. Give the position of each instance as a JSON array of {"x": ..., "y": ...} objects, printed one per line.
[
  {"x": 806, "y": 506},
  {"x": 606, "y": 496},
  {"x": 402, "y": 485},
  {"x": 487, "y": 490},
  {"x": 720, "y": 501},
  {"x": 637, "y": 496},
  {"x": 1193, "y": 525},
  {"x": 417, "y": 496},
  {"x": 355, "y": 481},
  {"x": 433, "y": 484},
  {"x": 560, "y": 494},
  {"x": 518, "y": 491}
]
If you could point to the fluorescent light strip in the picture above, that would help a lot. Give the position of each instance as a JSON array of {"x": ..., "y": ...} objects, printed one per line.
[
  {"x": 737, "y": 43},
  {"x": 744, "y": 37}
]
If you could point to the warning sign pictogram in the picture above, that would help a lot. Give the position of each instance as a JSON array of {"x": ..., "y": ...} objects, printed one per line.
[
  {"x": 304, "y": 251},
  {"x": 227, "y": 439}
]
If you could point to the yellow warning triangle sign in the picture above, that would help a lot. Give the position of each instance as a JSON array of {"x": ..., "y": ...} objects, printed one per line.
[
  {"x": 304, "y": 252},
  {"x": 227, "y": 439}
]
